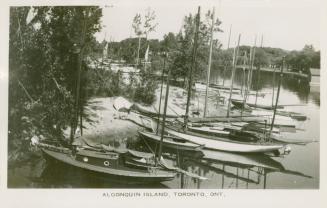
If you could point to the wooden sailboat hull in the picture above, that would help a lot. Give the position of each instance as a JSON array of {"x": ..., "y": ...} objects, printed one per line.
[
  {"x": 170, "y": 142},
  {"x": 217, "y": 143},
  {"x": 239, "y": 104},
  {"x": 110, "y": 173},
  {"x": 146, "y": 112}
]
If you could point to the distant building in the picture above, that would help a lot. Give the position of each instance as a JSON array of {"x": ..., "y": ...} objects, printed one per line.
[{"x": 315, "y": 80}]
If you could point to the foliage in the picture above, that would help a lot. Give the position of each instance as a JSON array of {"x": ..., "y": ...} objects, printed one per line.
[
  {"x": 145, "y": 88},
  {"x": 303, "y": 60},
  {"x": 42, "y": 67},
  {"x": 143, "y": 27}
]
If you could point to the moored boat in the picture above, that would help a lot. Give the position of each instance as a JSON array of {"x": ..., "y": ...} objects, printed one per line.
[
  {"x": 224, "y": 144},
  {"x": 172, "y": 142},
  {"x": 109, "y": 165},
  {"x": 150, "y": 113},
  {"x": 240, "y": 104}
]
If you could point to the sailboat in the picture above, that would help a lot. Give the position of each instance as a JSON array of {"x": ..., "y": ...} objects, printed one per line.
[
  {"x": 109, "y": 165},
  {"x": 127, "y": 166},
  {"x": 172, "y": 142},
  {"x": 217, "y": 142}
]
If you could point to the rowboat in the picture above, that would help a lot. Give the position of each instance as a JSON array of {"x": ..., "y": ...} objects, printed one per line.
[
  {"x": 108, "y": 165},
  {"x": 172, "y": 142}
]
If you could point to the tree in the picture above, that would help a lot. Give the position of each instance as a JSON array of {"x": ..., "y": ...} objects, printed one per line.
[
  {"x": 43, "y": 60},
  {"x": 182, "y": 60},
  {"x": 148, "y": 26}
]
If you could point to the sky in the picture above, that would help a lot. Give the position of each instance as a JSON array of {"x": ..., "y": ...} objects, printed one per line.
[{"x": 287, "y": 24}]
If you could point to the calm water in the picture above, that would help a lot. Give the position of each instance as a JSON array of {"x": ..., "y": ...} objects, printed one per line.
[{"x": 298, "y": 170}]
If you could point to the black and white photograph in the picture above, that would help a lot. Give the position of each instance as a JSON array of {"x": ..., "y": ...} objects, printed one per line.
[{"x": 162, "y": 95}]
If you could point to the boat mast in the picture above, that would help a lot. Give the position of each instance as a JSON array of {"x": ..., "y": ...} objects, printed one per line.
[
  {"x": 278, "y": 91},
  {"x": 249, "y": 80},
  {"x": 230, "y": 32},
  {"x": 195, "y": 45},
  {"x": 80, "y": 52},
  {"x": 251, "y": 66},
  {"x": 209, "y": 64},
  {"x": 273, "y": 88},
  {"x": 164, "y": 116},
  {"x": 162, "y": 80},
  {"x": 243, "y": 92},
  {"x": 258, "y": 76},
  {"x": 244, "y": 67},
  {"x": 233, "y": 73},
  {"x": 252, "y": 62}
]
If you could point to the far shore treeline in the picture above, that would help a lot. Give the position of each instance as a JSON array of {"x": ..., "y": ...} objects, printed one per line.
[
  {"x": 265, "y": 57},
  {"x": 51, "y": 81}
]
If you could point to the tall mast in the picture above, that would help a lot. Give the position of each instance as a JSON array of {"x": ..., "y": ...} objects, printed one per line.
[
  {"x": 278, "y": 90},
  {"x": 195, "y": 45},
  {"x": 78, "y": 83},
  {"x": 233, "y": 73},
  {"x": 252, "y": 55},
  {"x": 164, "y": 116},
  {"x": 162, "y": 80},
  {"x": 252, "y": 62},
  {"x": 230, "y": 32},
  {"x": 258, "y": 76},
  {"x": 243, "y": 91},
  {"x": 209, "y": 64},
  {"x": 273, "y": 88}
]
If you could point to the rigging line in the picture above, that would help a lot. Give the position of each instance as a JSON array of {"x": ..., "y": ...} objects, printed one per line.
[{"x": 148, "y": 146}]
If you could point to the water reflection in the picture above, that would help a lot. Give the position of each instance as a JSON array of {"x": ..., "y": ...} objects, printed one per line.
[
  {"x": 264, "y": 81},
  {"x": 252, "y": 173},
  {"x": 222, "y": 169}
]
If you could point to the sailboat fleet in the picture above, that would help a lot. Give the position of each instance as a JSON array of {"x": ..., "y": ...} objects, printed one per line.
[{"x": 221, "y": 138}]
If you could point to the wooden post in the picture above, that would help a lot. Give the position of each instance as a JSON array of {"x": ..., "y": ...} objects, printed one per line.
[
  {"x": 209, "y": 64},
  {"x": 164, "y": 116},
  {"x": 233, "y": 73},
  {"x": 278, "y": 91},
  {"x": 195, "y": 46}
]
